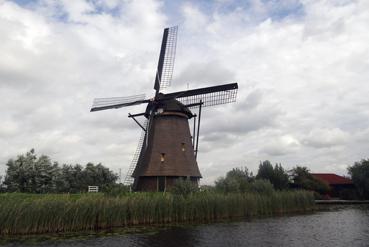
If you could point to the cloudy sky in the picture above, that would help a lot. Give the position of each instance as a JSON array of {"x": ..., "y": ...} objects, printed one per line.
[{"x": 302, "y": 69}]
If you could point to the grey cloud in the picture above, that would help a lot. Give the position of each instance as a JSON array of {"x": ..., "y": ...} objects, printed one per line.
[
  {"x": 322, "y": 138},
  {"x": 224, "y": 126},
  {"x": 216, "y": 140},
  {"x": 253, "y": 99},
  {"x": 8, "y": 129},
  {"x": 303, "y": 81},
  {"x": 248, "y": 114},
  {"x": 281, "y": 146},
  {"x": 208, "y": 73}
]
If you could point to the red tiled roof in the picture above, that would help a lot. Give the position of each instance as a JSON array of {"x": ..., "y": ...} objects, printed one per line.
[{"x": 331, "y": 178}]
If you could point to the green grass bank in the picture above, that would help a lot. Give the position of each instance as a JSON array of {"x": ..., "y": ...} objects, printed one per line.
[{"x": 54, "y": 213}]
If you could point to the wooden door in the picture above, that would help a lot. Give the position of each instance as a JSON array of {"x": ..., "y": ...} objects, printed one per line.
[{"x": 161, "y": 184}]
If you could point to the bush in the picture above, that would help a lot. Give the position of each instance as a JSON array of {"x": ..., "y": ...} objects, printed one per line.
[
  {"x": 302, "y": 179},
  {"x": 228, "y": 185},
  {"x": 184, "y": 187},
  {"x": 348, "y": 194},
  {"x": 236, "y": 180},
  {"x": 318, "y": 196},
  {"x": 359, "y": 173},
  {"x": 116, "y": 190},
  {"x": 262, "y": 186},
  {"x": 207, "y": 188}
]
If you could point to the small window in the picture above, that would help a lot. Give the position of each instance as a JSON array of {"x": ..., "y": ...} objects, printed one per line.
[
  {"x": 183, "y": 146},
  {"x": 162, "y": 157}
]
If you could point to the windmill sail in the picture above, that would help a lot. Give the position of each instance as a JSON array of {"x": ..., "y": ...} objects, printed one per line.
[
  {"x": 100, "y": 104},
  {"x": 209, "y": 96},
  {"x": 128, "y": 180},
  {"x": 164, "y": 71}
]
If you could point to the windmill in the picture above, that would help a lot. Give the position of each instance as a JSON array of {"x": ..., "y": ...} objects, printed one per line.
[{"x": 167, "y": 150}]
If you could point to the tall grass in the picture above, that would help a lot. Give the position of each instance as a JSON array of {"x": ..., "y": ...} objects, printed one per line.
[{"x": 28, "y": 214}]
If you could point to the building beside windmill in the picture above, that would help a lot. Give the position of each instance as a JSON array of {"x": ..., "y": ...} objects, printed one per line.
[
  {"x": 337, "y": 184},
  {"x": 168, "y": 149}
]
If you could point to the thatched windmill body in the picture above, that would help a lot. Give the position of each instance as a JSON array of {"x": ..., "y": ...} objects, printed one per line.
[{"x": 167, "y": 149}]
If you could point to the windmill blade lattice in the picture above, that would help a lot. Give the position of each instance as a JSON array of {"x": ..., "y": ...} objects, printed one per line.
[
  {"x": 166, "y": 59},
  {"x": 209, "y": 96},
  {"x": 128, "y": 180},
  {"x": 117, "y": 102}
]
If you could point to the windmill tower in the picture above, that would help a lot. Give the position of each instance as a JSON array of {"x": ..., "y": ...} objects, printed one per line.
[{"x": 167, "y": 150}]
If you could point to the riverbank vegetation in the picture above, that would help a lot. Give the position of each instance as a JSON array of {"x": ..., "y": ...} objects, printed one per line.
[
  {"x": 38, "y": 174},
  {"x": 359, "y": 173},
  {"x": 302, "y": 179},
  {"x": 30, "y": 173},
  {"x": 41, "y": 196},
  {"x": 44, "y": 209},
  {"x": 56, "y": 213}
]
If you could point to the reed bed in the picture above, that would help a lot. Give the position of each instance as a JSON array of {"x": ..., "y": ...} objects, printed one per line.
[{"x": 54, "y": 213}]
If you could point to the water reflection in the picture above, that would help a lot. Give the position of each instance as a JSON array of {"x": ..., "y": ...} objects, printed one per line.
[{"x": 335, "y": 226}]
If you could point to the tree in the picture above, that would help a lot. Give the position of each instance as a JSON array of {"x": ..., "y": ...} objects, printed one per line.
[
  {"x": 265, "y": 171},
  {"x": 29, "y": 173},
  {"x": 71, "y": 179},
  {"x": 236, "y": 180},
  {"x": 280, "y": 180},
  {"x": 359, "y": 173},
  {"x": 98, "y": 175},
  {"x": 19, "y": 174},
  {"x": 304, "y": 180},
  {"x": 2, "y": 187},
  {"x": 277, "y": 175},
  {"x": 44, "y": 174}
]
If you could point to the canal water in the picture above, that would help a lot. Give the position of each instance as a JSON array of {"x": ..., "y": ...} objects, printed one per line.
[{"x": 333, "y": 226}]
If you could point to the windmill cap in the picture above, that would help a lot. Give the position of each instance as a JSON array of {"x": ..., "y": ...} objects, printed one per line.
[{"x": 174, "y": 105}]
